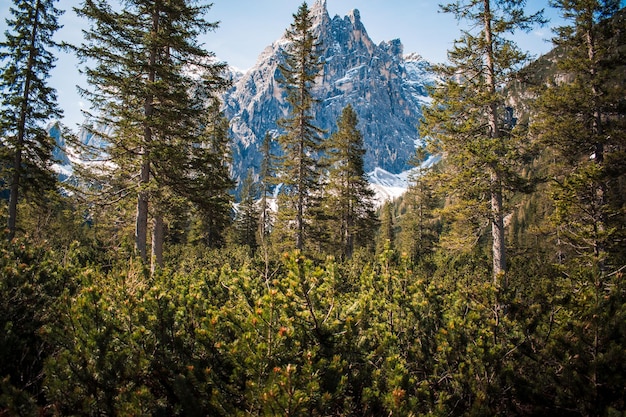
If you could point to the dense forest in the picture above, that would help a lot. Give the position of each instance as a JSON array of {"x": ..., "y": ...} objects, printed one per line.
[{"x": 144, "y": 286}]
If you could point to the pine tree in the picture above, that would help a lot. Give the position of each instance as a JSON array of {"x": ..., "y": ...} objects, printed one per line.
[
  {"x": 144, "y": 53},
  {"x": 248, "y": 216},
  {"x": 467, "y": 121},
  {"x": 348, "y": 196},
  {"x": 387, "y": 233},
  {"x": 27, "y": 101},
  {"x": 208, "y": 182},
  {"x": 301, "y": 141},
  {"x": 581, "y": 120},
  {"x": 419, "y": 224},
  {"x": 267, "y": 179}
]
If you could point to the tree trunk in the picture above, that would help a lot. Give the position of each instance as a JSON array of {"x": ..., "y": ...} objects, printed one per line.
[
  {"x": 141, "y": 223},
  {"x": 301, "y": 189},
  {"x": 157, "y": 243},
  {"x": 497, "y": 229},
  {"x": 141, "y": 227},
  {"x": 21, "y": 130}
]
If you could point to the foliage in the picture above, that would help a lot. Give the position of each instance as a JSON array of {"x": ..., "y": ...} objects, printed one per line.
[
  {"x": 247, "y": 220},
  {"x": 131, "y": 344},
  {"x": 419, "y": 222},
  {"x": 32, "y": 280},
  {"x": 469, "y": 121},
  {"x": 27, "y": 102},
  {"x": 348, "y": 197},
  {"x": 301, "y": 142},
  {"x": 414, "y": 326}
]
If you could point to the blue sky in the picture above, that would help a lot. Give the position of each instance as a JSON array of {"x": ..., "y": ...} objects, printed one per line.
[
  {"x": 418, "y": 23},
  {"x": 248, "y": 26}
]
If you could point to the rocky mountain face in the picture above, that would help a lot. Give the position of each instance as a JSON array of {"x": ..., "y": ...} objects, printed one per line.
[{"x": 385, "y": 88}]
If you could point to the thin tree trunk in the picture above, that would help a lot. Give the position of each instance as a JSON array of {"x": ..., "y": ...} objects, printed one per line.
[
  {"x": 157, "y": 243},
  {"x": 600, "y": 219},
  {"x": 349, "y": 217},
  {"x": 21, "y": 130},
  {"x": 301, "y": 190},
  {"x": 141, "y": 221},
  {"x": 141, "y": 226},
  {"x": 497, "y": 229}
]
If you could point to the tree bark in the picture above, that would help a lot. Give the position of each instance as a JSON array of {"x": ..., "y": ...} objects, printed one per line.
[
  {"x": 497, "y": 221},
  {"x": 141, "y": 220},
  {"x": 157, "y": 243},
  {"x": 141, "y": 224},
  {"x": 497, "y": 229}
]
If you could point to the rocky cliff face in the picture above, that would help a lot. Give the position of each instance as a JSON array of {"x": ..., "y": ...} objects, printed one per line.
[{"x": 385, "y": 88}]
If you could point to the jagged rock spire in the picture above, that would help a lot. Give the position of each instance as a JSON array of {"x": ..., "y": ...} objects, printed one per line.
[
  {"x": 385, "y": 90},
  {"x": 355, "y": 16},
  {"x": 319, "y": 12},
  {"x": 319, "y": 5}
]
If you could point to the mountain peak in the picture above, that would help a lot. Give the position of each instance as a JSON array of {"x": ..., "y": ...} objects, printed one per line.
[
  {"x": 355, "y": 16},
  {"x": 319, "y": 12},
  {"x": 319, "y": 5},
  {"x": 386, "y": 91}
]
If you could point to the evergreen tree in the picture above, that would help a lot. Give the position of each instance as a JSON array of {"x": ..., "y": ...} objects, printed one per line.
[
  {"x": 267, "y": 180},
  {"x": 27, "y": 101},
  {"x": 467, "y": 121},
  {"x": 200, "y": 172},
  {"x": 301, "y": 141},
  {"x": 581, "y": 119},
  {"x": 143, "y": 52},
  {"x": 419, "y": 224},
  {"x": 387, "y": 233},
  {"x": 349, "y": 198},
  {"x": 248, "y": 216}
]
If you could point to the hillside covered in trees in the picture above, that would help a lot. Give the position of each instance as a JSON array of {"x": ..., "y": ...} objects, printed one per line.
[{"x": 493, "y": 286}]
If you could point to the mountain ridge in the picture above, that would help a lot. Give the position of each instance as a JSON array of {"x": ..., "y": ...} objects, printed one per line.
[{"x": 386, "y": 89}]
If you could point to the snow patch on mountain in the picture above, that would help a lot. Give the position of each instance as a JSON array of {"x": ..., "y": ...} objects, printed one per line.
[{"x": 388, "y": 186}]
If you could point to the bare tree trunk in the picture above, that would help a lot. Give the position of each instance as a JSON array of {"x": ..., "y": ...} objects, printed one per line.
[
  {"x": 497, "y": 229},
  {"x": 157, "y": 243},
  {"x": 141, "y": 220},
  {"x": 301, "y": 189}
]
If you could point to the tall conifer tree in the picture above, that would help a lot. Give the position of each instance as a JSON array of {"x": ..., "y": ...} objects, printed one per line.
[
  {"x": 467, "y": 119},
  {"x": 301, "y": 141},
  {"x": 348, "y": 195},
  {"x": 199, "y": 172},
  {"x": 386, "y": 239},
  {"x": 143, "y": 52},
  {"x": 27, "y": 101},
  {"x": 582, "y": 120},
  {"x": 267, "y": 179},
  {"x": 419, "y": 224},
  {"x": 248, "y": 216}
]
